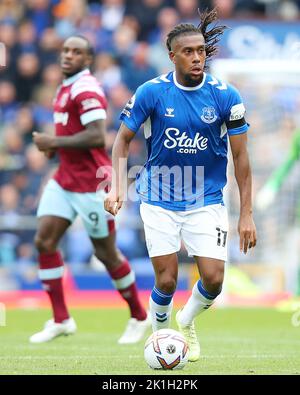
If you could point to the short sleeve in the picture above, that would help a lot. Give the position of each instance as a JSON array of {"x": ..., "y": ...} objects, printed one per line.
[
  {"x": 90, "y": 101},
  {"x": 138, "y": 108},
  {"x": 234, "y": 112}
]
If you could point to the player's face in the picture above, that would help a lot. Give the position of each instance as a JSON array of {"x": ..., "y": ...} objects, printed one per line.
[
  {"x": 74, "y": 56},
  {"x": 188, "y": 54}
]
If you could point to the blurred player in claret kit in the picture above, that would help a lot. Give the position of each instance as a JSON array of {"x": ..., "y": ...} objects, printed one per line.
[
  {"x": 79, "y": 117},
  {"x": 188, "y": 117}
]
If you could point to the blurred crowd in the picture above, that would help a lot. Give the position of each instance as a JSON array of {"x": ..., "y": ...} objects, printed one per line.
[{"x": 129, "y": 40}]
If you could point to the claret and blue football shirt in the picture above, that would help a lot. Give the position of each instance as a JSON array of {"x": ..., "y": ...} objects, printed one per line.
[{"x": 186, "y": 132}]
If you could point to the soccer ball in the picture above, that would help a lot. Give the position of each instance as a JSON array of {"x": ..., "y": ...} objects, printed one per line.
[{"x": 166, "y": 349}]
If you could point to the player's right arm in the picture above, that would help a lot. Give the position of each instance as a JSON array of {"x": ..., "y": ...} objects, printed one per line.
[
  {"x": 115, "y": 197},
  {"x": 89, "y": 106},
  {"x": 136, "y": 111},
  {"x": 91, "y": 137},
  {"x": 267, "y": 194}
]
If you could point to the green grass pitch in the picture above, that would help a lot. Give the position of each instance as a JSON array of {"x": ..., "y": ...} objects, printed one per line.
[{"x": 233, "y": 341}]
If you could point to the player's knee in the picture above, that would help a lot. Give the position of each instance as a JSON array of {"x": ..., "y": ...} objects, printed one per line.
[
  {"x": 166, "y": 284},
  {"x": 213, "y": 282},
  {"x": 44, "y": 245}
]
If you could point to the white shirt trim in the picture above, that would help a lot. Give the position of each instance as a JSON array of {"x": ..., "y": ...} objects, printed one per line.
[
  {"x": 93, "y": 115},
  {"x": 188, "y": 88},
  {"x": 147, "y": 128}
]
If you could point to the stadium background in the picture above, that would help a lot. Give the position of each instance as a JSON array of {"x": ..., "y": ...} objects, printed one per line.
[{"x": 129, "y": 40}]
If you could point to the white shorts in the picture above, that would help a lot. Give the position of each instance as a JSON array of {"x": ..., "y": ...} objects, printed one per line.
[
  {"x": 89, "y": 206},
  {"x": 204, "y": 230}
]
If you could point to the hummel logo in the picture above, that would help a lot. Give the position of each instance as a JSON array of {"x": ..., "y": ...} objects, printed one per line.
[{"x": 169, "y": 112}]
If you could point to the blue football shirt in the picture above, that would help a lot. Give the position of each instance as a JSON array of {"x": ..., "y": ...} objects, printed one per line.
[{"x": 186, "y": 131}]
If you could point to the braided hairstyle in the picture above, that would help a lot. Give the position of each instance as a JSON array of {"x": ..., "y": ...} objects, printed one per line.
[{"x": 211, "y": 37}]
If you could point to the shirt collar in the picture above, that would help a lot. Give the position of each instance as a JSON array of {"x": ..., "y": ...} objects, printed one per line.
[
  {"x": 188, "y": 88},
  {"x": 75, "y": 77}
]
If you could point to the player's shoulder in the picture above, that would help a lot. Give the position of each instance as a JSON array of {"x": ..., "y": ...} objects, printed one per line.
[
  {"x": 86, "y": 83},
  {"x": 220, "y": 87},
  {"x": 85, "y": 79},
  {"x": 157, "y": 85}
]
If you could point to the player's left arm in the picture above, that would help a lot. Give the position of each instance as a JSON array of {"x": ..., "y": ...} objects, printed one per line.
[
  {"x": 91, "y": 137},
  {"x": 246, "y": 226}
]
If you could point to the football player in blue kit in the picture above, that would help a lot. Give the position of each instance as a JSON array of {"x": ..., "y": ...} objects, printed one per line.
[{"x": 188, "y": 118}]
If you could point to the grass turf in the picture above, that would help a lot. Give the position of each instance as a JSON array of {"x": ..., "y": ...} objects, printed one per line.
[{"x": 233, "y": 341}]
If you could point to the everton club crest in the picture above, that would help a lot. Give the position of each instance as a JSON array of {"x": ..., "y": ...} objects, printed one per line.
[{"x": 208, "y": 115}]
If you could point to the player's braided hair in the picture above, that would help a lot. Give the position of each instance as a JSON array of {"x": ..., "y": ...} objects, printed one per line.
[{"x": 211, "y": 37}]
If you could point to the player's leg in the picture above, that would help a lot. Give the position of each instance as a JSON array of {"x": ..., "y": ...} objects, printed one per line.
[
  {"x": 205, "y": 290},
  {"x": 123, "y": 279},
  {"x": 204, "y": 293},
  {"x": 51, "y": 267},
  {"x": 55, "y": 216},
  {"x": 161, "y": 298},
  {"x": 100, "y": 227},
  {"x": 205, "y": 236},
  {"x": 162, "y": 233}
]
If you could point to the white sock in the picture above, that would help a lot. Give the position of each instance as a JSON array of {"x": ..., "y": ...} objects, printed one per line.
[
  {"x": 161, "y": 305},
  {"x": 198, "y": 302}
]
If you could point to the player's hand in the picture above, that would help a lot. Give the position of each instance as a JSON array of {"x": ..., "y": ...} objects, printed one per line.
[
  {"x": 44, "y": 142},
  {"x": 247, "y": 232},
  {"x": 265, "y": 197},
  {"x": 113, "y": 202}
]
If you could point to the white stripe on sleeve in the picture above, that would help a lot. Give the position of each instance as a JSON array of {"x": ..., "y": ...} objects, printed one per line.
[{"x": 93, "y": 115}]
